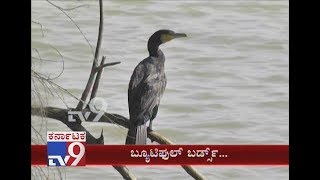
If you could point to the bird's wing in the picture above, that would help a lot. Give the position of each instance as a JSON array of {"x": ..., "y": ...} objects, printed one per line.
[
  {"x": 135, "y": 91},
  {"x": 144, "y": 94},
  {"x": 162, "y": 82},
  {"x": 137, "y": 76},
  {"x": 151, "y": 96}
]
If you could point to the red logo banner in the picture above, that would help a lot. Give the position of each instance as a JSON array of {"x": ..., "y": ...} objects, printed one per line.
[{"x": 176, "y": 155}]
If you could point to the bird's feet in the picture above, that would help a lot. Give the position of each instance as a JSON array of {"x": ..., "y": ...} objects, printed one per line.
[{"x": 149, "y": 129}]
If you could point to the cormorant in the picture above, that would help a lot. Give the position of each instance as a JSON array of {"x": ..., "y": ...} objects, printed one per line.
[{"x": 147, "y": 84}]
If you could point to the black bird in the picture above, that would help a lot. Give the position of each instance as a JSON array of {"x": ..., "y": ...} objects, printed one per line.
[{"x": 146, "y": 87}]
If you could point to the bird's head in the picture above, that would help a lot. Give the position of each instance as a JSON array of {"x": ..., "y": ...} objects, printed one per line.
[
  {"x": 160, "y": 37},
  {"x": 164, "y": 35}
]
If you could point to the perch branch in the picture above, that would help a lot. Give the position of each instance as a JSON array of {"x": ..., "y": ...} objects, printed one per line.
[
  {"x": 124, "y": 171},
  {"x": 56, "y": 113},
  {"x": 95, "y": 62}
]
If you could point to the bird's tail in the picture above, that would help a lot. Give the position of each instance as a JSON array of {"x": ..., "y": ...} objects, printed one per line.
[{"x": 137, "y": 134}]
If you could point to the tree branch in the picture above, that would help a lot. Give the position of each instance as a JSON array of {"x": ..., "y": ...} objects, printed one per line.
[
  {"x": 40, "y": 26},
  {"x": 66, "y": 14},
  {"x": 106, "y": 65},
  {"x": 124, "y": 171},
  {"x": 95, "y": 62},
  {"x": 56, "y": 113},
  {"x": 193, "y": 172},
  {"x": 97, "y": 80}
]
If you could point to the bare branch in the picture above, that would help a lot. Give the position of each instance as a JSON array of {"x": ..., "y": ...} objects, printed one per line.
[
  {"x": 154, "y": 136},
  {"x": 106, "y": 65},
  {"x": 96, "y": 82},
  {"x": 40, "y": 27},
  {"x": 44, "y": 81},
  {"x": 193, "y": 172},
  {"x": 96, "y": 55},
  {"x": 63, "y": 11},
  {"x": 124, "y": 171},
  {"x": 38, "y": 134},
  {"x": 95, "y": 62},
  {"x": 60, "y": 96},
  {"x": 73, "y": 8},
  {"x": 61, "y": 60},
  {"x": 38, "y": 55},
  {"x": 40, "y": 76},
  {"x": 39, "y": 97},
  {"x": 41, "y": 59}
]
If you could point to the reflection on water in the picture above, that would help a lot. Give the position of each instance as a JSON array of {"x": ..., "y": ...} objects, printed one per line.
[{"x": 227, "y": 82}]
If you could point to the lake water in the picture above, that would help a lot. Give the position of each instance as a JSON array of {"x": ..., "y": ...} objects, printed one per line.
[{"x": 228, "y": 82}]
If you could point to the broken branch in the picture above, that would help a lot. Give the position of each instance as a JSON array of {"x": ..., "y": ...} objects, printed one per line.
[{"x": 106, "y": 65}]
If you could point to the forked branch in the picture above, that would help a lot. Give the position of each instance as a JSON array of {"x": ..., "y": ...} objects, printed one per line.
[
  {"x": 95, "y": 62},
  {"x": 97, "y": 81},
  {"x": 106, "y": 65}
]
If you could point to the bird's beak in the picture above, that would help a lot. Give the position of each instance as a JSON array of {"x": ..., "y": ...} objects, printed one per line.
[
  {"x": 178, "y": 35},
  {"x": 168, "y": 37}
]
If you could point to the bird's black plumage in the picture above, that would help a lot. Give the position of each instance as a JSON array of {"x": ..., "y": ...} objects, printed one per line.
[{"x": 146, "y": 87}]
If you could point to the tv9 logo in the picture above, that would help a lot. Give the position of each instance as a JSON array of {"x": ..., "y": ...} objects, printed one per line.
[
  {"x": 94, "y": 103},
  {"x": 66, "y": 148}
]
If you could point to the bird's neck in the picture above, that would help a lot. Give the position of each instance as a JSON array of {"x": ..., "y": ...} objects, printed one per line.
[
  {"x": 158, "y": 61},
  {"x": 153, "y": 47}
]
